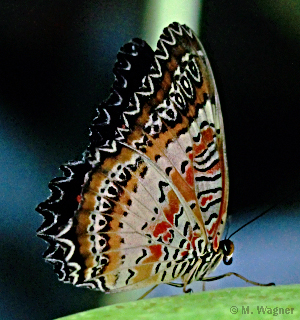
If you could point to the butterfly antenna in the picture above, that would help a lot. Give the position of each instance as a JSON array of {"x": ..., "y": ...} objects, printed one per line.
[
  {"x": 227, "y": 226},
  {"x": 263, "y": 213}
]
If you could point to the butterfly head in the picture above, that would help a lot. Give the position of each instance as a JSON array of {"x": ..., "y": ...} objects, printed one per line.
[{"x": 227, "y": 248}]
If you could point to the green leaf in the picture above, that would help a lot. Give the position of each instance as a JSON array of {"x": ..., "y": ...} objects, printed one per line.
[{"x": 282, "y": 302}]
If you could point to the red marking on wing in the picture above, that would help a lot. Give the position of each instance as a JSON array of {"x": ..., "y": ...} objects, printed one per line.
[
  {"x": 199, "y": 148},
  {"x": 216, "y": 243},
  {"x": 207, "y": 137},
  {"x": 193, "y": 239},
  {"x": 190, "y": 176},
  {"x": 205, "y": 199},
  {"x": 167, "y": 237},
  {"x": 213, "y": 228},
  {"x": 156, "y": 252},
  {"x": 79, "y": 198},
  {"x": 215, "y": 168},
  {"x": 161, "y": 228},
  {"x": 172, "y": 208},
  {"x": 186, "y": 252}
]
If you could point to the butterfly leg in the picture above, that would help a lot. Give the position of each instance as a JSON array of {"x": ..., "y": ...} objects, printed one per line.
[
  {"x": 239, "y": 276},
  {"x": 185, "y": 290},
  {"x": 147, "y": 292},
  {"x": 180, "y": 285}
]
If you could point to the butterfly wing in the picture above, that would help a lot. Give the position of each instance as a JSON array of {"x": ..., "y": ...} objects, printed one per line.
[
  {"x": 210, "y": 159},
  {"x": 157, "y": 191},
  {"x": 133, "y": 62}
]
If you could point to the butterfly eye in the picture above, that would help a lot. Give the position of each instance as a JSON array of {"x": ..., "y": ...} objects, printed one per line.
[{"x": 227, "y": 247}]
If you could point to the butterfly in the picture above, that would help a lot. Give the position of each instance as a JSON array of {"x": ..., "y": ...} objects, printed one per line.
[{"x": 147, "y": 203}]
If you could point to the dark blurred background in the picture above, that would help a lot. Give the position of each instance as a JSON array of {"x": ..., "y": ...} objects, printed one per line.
[{"x": 56, "y": 61}]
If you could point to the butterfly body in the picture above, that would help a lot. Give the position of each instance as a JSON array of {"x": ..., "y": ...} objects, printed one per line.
[{"x": 149, "y": 199}]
